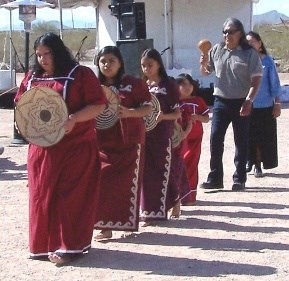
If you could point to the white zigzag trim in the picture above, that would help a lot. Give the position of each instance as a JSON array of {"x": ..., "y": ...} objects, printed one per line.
[
  {"x": 162, "y": 212},
  {"x": 133, "y": 199}
]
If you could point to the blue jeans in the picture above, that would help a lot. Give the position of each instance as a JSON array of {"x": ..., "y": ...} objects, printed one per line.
[{"x": 224, "y": 112}]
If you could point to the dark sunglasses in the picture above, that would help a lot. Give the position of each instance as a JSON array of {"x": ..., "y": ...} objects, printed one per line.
[{"x": 230, "y": 32}]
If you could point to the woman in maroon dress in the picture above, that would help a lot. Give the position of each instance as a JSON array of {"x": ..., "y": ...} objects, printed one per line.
[
  {"x": 155, "y": 202},
  {"x": 121, "y": 147},
  {"x": 63, "y": 178}
]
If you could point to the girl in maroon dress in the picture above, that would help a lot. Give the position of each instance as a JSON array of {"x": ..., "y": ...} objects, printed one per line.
[
  {"x": 121, "y": 147},
  {"x": 158, "y": 149},
  {"x": 63, "y": 178},
  {"x": 194, "y": 113}
]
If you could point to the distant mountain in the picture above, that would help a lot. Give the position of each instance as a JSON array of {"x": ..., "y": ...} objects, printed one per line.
[
  {"x": 272, "y": 17},
  {"x": 54, "y": 23},
  {"x": 18, "y": 25}
]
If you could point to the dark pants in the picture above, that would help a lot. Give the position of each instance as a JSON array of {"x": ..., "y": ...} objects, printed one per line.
[
  {"x": 263, "y": 137},
  {"x": 224, "y": 112}
]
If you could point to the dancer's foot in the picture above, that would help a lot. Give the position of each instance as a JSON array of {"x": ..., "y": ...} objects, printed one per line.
[
  {"x": 62, "y": 259},
  {"x": 104, "y": 234},
  {"x": 175, "y": 211},
  {"x": 147, "y": 223}
]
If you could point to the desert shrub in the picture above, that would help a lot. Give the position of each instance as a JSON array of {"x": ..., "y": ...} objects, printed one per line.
[
  {"x": 73, "y": 38},
  {"x": 275, "y": 38}
]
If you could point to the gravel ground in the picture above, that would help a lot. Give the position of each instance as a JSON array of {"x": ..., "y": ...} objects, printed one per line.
[{"x": 225, "y": 236}]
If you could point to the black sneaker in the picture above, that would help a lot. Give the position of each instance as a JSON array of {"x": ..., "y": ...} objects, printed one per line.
[
  {"x": 258, "y": 172},
  {"x": 211, "y": 185},
  {"x": 249, "y": 166},
  {"x": 238, "y": 186}
]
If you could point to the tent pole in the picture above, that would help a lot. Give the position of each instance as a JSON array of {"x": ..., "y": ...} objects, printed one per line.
[
  {"x": 10, "y": 50},
  {"x": 60, "y": 19},
  {"x": 171, "y": 51},
  {"x": 96, "y": 29},
  {"x": 166, "y": 31}
]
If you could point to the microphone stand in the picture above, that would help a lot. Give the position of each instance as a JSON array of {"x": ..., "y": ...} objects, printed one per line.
[{"x": 77, "y": 56}]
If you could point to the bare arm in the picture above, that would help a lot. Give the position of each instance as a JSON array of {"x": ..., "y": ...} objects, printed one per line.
[
  {"x": 204, "y": 118},
  {"x": 277, "y": 108}
]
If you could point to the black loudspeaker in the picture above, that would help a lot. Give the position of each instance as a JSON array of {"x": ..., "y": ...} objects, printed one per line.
[
  {"x": 131, "y": 21},
  {"x": 114, "y": 5},
  {"x": 131, "y": 51}
]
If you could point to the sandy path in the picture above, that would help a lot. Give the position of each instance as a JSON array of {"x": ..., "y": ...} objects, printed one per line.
[{"x": 226, "y": 236}]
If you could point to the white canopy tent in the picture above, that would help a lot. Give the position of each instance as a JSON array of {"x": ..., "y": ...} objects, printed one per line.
[{"x": 64, "y": 3}]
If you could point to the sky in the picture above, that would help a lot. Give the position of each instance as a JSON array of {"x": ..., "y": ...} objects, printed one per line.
[
  {"x": 282, "y": 6},
  {"x": 85, "y": 16}
]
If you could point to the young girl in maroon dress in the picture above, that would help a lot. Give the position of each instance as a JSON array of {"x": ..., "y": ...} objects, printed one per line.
[
  {"x": 154, "y": 201},
  {"x": 121, "y": 147},
  {"x": 63, "y": 178},
  {"x": 195, "y": 111}
]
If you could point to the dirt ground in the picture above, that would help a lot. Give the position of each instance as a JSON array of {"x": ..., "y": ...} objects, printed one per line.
[{"x": 225, "y": 236}]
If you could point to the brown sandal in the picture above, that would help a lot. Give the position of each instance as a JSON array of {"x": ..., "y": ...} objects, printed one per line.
[
  {"x": 148, "y": 223},
  {"x": 104, "y": 234},
  {"x": 62, "y": 258}
]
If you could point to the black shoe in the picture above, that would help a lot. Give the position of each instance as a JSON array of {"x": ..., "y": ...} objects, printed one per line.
[
  {"x": 258, "y": 172},
  {"x": 238, "y": 186},
  {"x": 211, "y": 185},
  {"x": 249, "y": 166}
]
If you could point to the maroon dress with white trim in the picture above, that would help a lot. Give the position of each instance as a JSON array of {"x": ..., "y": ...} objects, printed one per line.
[
  {"x": 121, "y": 153},
  {"x": 154, "y": 201},
  {"x": 178, "y": 181},
  {"x": 63, "y": 178}
]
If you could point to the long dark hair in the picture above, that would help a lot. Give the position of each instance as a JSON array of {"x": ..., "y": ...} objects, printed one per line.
[
  {"x": 155, "y": 55},
  {"x": 63, "y": 60},
  {"x": 184, "y": 76},
  {"x": 257, "y": 36},
  {"x": 240, "y": 27},
  {"x": 116, "y": 52}
]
